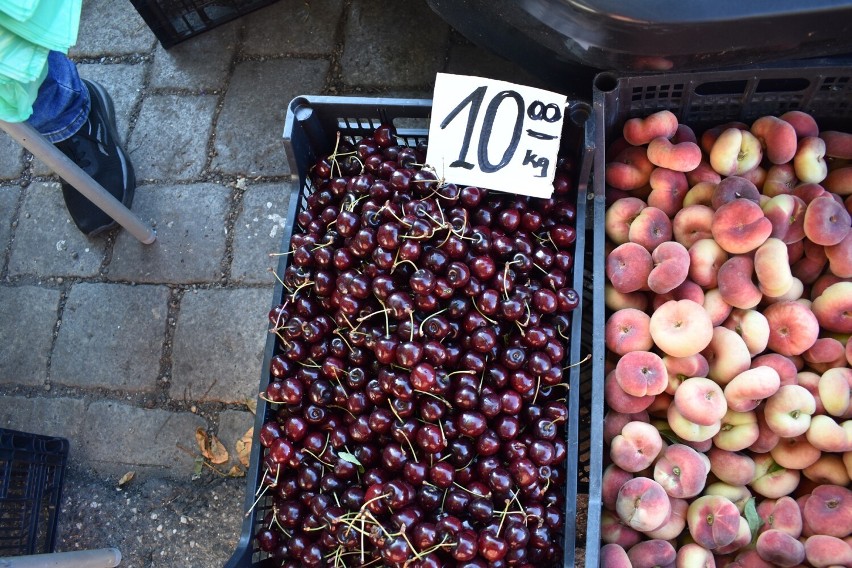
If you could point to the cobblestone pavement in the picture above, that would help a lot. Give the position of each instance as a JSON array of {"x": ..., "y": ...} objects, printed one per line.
[{"x": 126, "y": 349}]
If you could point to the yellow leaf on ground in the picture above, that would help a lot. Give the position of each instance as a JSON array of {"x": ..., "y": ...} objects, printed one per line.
[
  {"x": 126, "y": 478},
  {"x": 251, "y": 403},
  {"x": 203, "y": 441},
  {"x": 218, "y": 452},
  {"x": 236, "y": 471},
  {"x": 243, "y": 447}
]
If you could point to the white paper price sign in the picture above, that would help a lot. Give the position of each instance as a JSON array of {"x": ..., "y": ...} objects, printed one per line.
[{"x": 495, "y": 134}]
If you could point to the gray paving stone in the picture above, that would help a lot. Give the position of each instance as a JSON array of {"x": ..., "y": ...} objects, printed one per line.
[
  {"x": 24, "y": 349},
  {"x": 11, "y": 164},
  {"x": 116, "y": 438},
  {"x": 248, "y": 140},
  {"x": 111, "y": 27},
  {"x": 124, "y": 84},
  {"x": 98, "y": 346},
  {"x": 292, "y": 26},
  {"x": 377, "y": 33},
  {"x": 9, "y": 196},
  {"x": 472, "y": 60},
  {"x": 233, "y": 424},
  {"x": 258, "y": 232},
  {"x": 170, "y": 138},
  {"x": 190, "y": 245},
  {"x": 218, "y": 346},
  {"x": 61, "y": 417},
  {"x": 47, "y": 243},
  {"x": 188, "y": 65}
]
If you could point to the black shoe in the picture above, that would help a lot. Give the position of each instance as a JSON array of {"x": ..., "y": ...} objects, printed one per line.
[{"x": 95, "y": 148}]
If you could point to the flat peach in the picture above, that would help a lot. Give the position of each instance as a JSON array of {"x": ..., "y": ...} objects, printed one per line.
[
  {"x": 674, "y": 526},
  {"x": 671, "y": 266},
  {"x": 734, "y": 468},
  {"x": 756, "y": 175},
  {"x": 681, "y": 471},
  {"x": 682, "y": 368},
  {"x": 808, "y": 269},
  {"x": 803, "y": 123},
  {"x": 628, "y": 267},
  {"x": 688, "y": 430},
  {"x": 643, "y": 504},
  {"x": 785, "y": 368},
  {"x": 659, "y": 408},
  {"x": 807, "y": 192},
  {"x": 629, "y": 170},
  {"x": 736, "y": 494},
  {"x": 650, "y": 228},
  {"x": 716, "y": 307},
  {"x": 828, "y": 436},
  {"x": 782, "y": 514},
  {"x": 827, "y": 353},
  {"x": 833, "y": 308},
  {"x": 739, "y": 431},
  {"x": 777, "y": 136},
  {"x": 637, "y": 447},
  {"x": 684, "y": 133},
  {"x": 613, "y": 531},
  {"x": 713, "y": 521},
  {"x": 699, "y": 194},
  {"x": 681, "y": 157},
  {"x": 840, "y": 257},
  {"x": 619, "y": 216},
  {"x": 734, "y": 187},
  {"x": 796, "y": 250},
  {"x": 668, "y": 189},
  {"x": 837, "y": 144},
  {"x": 767, "y": 439},
  {"x": 826, "y": 221},
  {"x": 616, "y": 147},
  {"x": 740, "y": 226},
  {"x": 824, "y": 282},
  {"x": 705, "y": 258},
  {"x": 701, "y": 400},
  {"x": 823, "y": 551},
  {"x": 692, "y": 224},
  {"x": 614, "y": 555},
  {"x": 795, "y": 452},
  {"x": 780, "y": 549},
  {"x": 735, "y": 282},
  {"x": 788, "y": 412},
  {"x": 735, "y": 152},
  {"x": 772, "y": 267},
  {"x": 611, "y": 481},
  {"x": 834, "y": 389},
  {"x": 711, "y": 135},
  {"x": 849, "y": 351},
  {"x": 692, "y": 555},
  {"x": 681, "y": 328},
  {"x": 809, "y": 161},
  {"x": 780, "y": 180},
  {"x": 641, "y": 373},
  {"x": 793, "y": 328},
  {"x": 639, "y": 131},
  {"x": 810, "y": 381},
  {"x": 651, "y": 553},
  {"x": 614, "y": 421},
  {"x": 616, "y": 300},
  {"x": 839, "y": 181},
  {"x": 748, "y": 389},
  {"x": 829, "y": 511},
  {"x": 786, "y": 212},
  {"x": 686, "y": 290},
  {"x": 628, "y": 330},
  {"x": 703, "y": 174},
  {"x": 827, "y": 470},
  {"x": 727, "y": 355},
  {"x": 752, "y": 326},
  {"x": 620, "y": 401},
  {"x": 771, "y": 480}
]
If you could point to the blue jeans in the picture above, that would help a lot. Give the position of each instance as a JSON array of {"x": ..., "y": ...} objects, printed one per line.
[{"x": 62, "y": 105}]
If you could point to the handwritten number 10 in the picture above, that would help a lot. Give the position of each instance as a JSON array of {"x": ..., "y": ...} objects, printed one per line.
[{"x": 475, "y": 101}]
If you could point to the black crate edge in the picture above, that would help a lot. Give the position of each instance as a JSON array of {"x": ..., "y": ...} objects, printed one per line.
[
  {"x": 32, "y": 470},
  {"x": 310, "y": 123},
  {"x": 823, "y": 88}
]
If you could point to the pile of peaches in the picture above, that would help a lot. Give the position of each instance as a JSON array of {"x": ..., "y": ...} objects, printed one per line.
[{"x": 729, "y": 361}]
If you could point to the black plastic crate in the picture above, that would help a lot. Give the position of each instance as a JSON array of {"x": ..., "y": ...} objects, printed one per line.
[
  {"x": 32, "y": 469},
  {"x": 174, "y": 21},
  {"x": 700, "y": 100},
  {"x": 310, "y": 131}
]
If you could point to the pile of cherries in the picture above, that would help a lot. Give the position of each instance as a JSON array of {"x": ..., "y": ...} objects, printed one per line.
[{"x": 419, "y": 401}]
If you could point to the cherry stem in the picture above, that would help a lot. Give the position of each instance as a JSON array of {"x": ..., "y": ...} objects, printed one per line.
[
  {"x": 473, "y": 301},
  {"x": 430, "y": 317},
  {"x": 583, "y": 360},
  {"x": 282, "y": 253},
  {"x": 433, "y": 395},
  {"x": 299, "y": 287},
  {"x": 463, "y": 488}
]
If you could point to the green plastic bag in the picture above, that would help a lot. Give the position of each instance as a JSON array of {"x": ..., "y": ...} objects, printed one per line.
[
  {"x": 53, "y": 25},
  {"x": 20, "y": 60},
  {"x": 21, "y": 10},
  {"x": 16, "y": 98}
]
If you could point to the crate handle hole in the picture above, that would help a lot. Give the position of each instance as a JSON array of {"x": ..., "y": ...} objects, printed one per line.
[
  {"x": 579, "y": 113},
  {"x": 606, "y": 82}
]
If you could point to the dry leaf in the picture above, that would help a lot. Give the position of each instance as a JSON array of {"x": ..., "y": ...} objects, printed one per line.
[
  {"x": 251, "y": 403},
  {"x": 203, "y": 441},
  {"x": 236, "y": 471},
  {"x": 243, "y": 447},
  {"x": 126, "y": 478},
  {"x": 218, "y": 452}
]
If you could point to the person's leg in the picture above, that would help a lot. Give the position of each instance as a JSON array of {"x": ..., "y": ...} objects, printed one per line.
[{"x": 78, "y": 116}]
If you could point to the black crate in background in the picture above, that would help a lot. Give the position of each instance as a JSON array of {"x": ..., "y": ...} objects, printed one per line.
[
  {"x": 32, "y": 469},
  {"x": 173, "y": 21},
  {"x": 700, "y": 100},
  {"x": 310, "y": 131}
]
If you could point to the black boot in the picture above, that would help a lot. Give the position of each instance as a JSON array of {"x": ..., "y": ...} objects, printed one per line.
[{"x": 95, "y": 148}]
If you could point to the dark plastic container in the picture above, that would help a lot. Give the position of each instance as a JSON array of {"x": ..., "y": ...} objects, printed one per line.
[
  {"x": 174, "y": 21},
  {"x": 32, "y": 469},
  {"x": 310, "y": 131},
  {"x": 565, "y": 41},
  {"x": 700, "y": 100}
]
